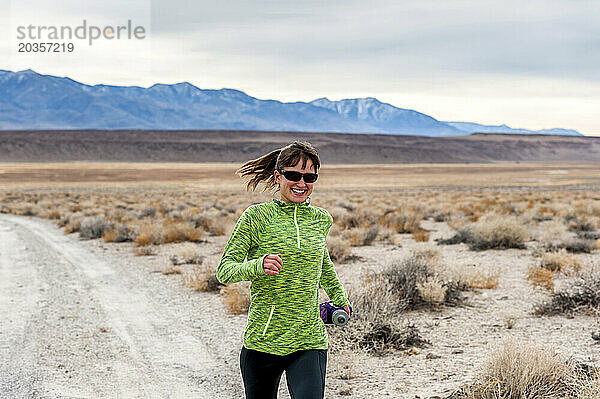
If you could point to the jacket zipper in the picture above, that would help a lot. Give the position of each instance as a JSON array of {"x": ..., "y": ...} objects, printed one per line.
[
  {"x": 298, "y": 241},
  {"x": 297, "y": 228}
]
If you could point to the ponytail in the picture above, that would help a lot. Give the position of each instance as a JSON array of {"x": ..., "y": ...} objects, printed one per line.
[{"x": 261, "y": 169}]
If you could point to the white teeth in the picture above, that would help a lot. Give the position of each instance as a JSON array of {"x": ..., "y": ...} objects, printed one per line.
[{"x": 298, "y": 191}]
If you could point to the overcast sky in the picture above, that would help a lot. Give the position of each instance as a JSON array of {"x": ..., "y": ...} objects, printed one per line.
[{"x": 531, "y": 64}]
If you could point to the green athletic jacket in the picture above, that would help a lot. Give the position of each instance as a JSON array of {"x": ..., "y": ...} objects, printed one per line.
[{"x": 284, "y": 308}]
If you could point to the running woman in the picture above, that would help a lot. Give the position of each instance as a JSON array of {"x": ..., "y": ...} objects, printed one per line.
[{"x": 280, "y": 247}]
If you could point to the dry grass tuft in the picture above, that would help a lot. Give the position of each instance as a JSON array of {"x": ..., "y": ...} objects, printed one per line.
[
  {"x": 432, "y": 291},
  {"x": 201, "y": 278},
  {"x": 169, "y": 267},
  {"x": 148, "y": 234},
  {"x": 173, "y": 234},
  {"x": 110, "y": 235},
  {"x": 526, "y": 370},
  {"x": 361, "y": 236},
  {"x": 236, "y": 297},
  {"x": 541, "y": 277},
  {"x": 420, "y": 235},
  {"x": 407, "y": 219}
]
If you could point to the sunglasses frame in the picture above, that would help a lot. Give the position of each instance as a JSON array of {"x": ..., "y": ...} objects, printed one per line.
[{"x": 302, "y": 175}]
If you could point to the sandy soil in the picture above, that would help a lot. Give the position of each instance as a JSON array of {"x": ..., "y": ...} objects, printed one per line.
[{"x": 90, "y": 319}]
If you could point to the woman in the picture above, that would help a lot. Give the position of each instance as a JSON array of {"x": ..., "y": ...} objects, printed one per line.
[{"x": 280, "y": 247}]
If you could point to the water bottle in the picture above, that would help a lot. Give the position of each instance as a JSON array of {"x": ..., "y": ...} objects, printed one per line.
[{"x": 331, "y": 314}]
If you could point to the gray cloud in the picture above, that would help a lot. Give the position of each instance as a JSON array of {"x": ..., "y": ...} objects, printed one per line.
[{"x": 552, "y": 38}]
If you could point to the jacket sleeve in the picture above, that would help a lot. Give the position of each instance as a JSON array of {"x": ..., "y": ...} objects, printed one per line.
[
  {"x": 233, "y": 266},
  {"x": 329, "y": 279}
]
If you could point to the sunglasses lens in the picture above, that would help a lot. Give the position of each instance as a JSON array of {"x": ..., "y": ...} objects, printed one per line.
[
  {"x": 310, "y": 177},
  {"x": 292, "y": 176}
]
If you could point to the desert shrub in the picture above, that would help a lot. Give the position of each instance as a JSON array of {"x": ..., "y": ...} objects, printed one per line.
[
  {"x": 578, "y": 225},
  {"x": 575, "y": 294},
  {"x": 495, "y": 231},
  {"x": 173, "y": 234},
  {"x": 551, "y": 233},
  {"x": 202, "y": 278},
  {"x": 93, "y": 227},
  {"x": 147, "y": 235},
  {"x": 404, "y": 220},
  {"x": 191, "y": 233},
  {"x": 559, "y": 261},
  {"x": 526, "y": 370},
  {"x": 589, "y": 235},
  {"x": 463, "y": 235},
  {"x": 144, "y": 251},
  {"x": 339, "y": 249},
  {"x": 188, "y": 253},
  {"x": 236, "y": 297},
  {"x": 53, "y": 215},
  {"x": 416, "y": 282},
  {"x": 169, "y": 268},
  {"x": 361, "y": 236},
  {"x": 441, "y": 216},
  {"x": 214, "y": 222},
  {"x": 377, "y": 323},
  {"x": 491, "y": 232},
  {"x": 147, "y": 211},
  {"x": 578, "y": 245},
  {"x": 124, "y": 234},
  {"x": 73, "y": 225},
  {"x": 470, "y": 275}
]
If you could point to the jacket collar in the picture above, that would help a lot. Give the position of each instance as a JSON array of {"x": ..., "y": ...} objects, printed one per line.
[{"x": 285, "y": 204}]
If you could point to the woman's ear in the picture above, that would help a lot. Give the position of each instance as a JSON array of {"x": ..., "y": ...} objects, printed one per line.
[{"x": 276, "y": 174}]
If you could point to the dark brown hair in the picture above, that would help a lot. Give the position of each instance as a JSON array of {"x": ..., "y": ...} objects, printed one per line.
[{"x": 261, "y": 169}]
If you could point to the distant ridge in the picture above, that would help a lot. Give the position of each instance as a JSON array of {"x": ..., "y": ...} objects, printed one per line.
[
  {"x": 240, "y": 146},
  {"x": 29, "y": 100}
]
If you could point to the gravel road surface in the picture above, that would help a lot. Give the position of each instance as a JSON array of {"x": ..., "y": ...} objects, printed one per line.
[{"x": 78, "y": 323}]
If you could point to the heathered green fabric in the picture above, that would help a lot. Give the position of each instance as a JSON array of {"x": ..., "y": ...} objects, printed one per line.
[{"x": 293, "y": 294}]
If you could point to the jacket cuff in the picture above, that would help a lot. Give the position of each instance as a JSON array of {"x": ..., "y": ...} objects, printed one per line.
[{"x": 257, "y": 267}]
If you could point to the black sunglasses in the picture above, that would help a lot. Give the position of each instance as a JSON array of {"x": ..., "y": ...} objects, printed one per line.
[{"x": 292, "y": 175}]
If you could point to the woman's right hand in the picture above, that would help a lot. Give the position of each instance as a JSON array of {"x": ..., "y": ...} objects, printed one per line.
[{"x": 272, "y": 264}]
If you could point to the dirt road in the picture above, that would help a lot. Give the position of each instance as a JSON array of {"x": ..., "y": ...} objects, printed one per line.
[{"x": 78, "y": 323}]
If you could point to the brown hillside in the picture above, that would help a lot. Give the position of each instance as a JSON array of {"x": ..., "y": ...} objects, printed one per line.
[{"x": 236, "y": 146}]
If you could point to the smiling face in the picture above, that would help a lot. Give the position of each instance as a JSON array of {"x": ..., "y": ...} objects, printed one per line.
[{"x": 295, "y": 191}]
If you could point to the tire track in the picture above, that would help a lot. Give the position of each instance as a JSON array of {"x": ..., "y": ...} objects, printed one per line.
[{"x": 148, "y": 351}]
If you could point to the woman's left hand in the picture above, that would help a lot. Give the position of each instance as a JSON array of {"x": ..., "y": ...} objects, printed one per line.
[{"x": 347, "y": 309}]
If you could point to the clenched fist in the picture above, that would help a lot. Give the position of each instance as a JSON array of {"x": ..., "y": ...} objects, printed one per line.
[{"x": 272, "y": 264}]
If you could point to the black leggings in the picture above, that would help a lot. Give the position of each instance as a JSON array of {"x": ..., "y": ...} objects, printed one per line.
[{"x": 304, "y": 371}]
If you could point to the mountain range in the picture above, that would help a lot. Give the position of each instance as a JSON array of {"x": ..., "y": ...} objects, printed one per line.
[{"x": 29, "y": 100}]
